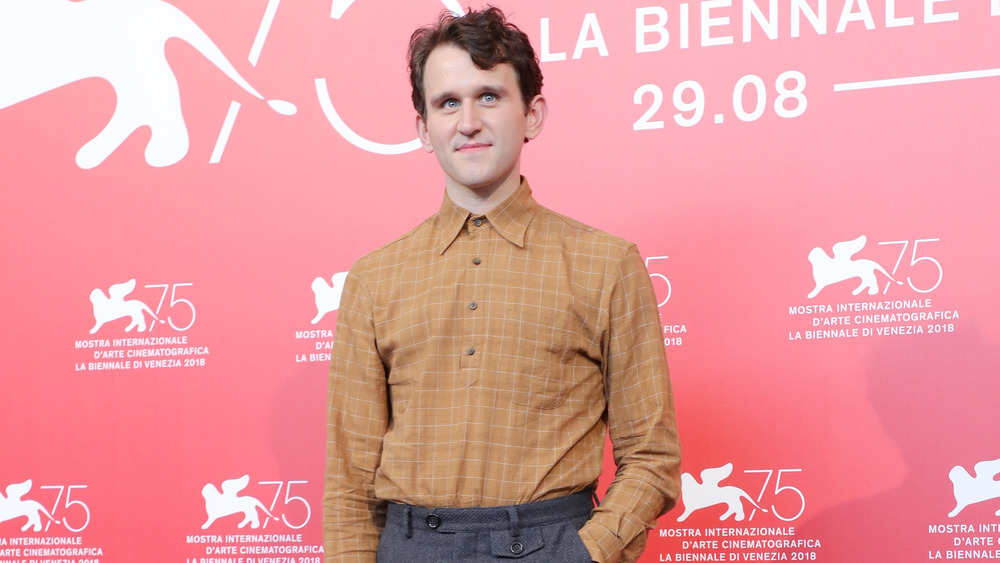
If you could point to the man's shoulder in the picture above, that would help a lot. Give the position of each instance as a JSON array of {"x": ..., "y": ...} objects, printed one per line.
[
  {"x": 576, "y": 230},
  {"x": 393, "y": 250}
]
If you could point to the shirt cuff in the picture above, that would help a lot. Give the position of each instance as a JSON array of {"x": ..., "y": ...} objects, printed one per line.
[{"x": 602, "y": 545}]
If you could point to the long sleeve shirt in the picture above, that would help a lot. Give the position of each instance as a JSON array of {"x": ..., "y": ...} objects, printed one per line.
[{"x": 480, "y": 360}]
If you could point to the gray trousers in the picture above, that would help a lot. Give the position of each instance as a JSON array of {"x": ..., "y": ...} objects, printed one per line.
[{"x": 537, "y": 532}]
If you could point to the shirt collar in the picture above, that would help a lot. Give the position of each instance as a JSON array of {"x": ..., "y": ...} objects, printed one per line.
[{"x": 510, "y": 217}]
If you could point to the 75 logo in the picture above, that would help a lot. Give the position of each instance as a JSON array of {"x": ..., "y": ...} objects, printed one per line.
[
  {"x": 931, "y": 268},
  {"x": 228, "y": 502},
  {"x": 710, "y": 492},
  {"x": 13, "y": 505},
  {"x": 924, "y": 273},
  {"x": 179, "y": 312}
]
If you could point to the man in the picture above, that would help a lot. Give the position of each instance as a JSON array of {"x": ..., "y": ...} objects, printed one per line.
[{"x": 481, "y": 358}]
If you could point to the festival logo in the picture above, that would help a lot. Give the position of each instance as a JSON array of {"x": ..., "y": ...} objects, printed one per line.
[
  {"x": 52, "y": 43},
  {"x": 51, "y": 509},
  {"x": 709, "y": 493},
  {"x": 867, "y": 298},
  {"x": 973, "y": 537},
  {"x": 13, "y": 506},
  {"x": 727, "y": 522},
  {"x": 829, "y": 270},
  {"x": 161, "y": 304},
  {"x": 114, "y": 306},
  {"x": 317, "y": 343},
  {"x": 294, "y": 512},
  {"x": 75, "y": 512},
  {"x": 327, "y": 295},
  {"x": 228, "y": 502},
  {"x": 971, "y": 489},
  {"x": 237, "y": 524}
]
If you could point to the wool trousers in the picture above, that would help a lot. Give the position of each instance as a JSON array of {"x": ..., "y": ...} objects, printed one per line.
[{"x": 537, "y": 532}]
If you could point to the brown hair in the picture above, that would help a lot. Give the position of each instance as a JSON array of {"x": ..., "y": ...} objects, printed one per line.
[{"x": 488, "y": 38}]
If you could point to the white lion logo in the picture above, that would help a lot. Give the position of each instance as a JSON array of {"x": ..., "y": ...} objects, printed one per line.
[
  {"x": 225, "y": 503},
  {"x": 971, "y": 490},
  {"x": 114, "y": 306},
  {"x": 708, "y": 493},
  {"x": 828, "y": 271},
  {"x": 328, "y": 296},
  {"x": 13, "y": 506},
  {"x": 45, "y": 44}
]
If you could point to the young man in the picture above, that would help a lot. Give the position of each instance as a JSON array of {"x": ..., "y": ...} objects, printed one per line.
[{"x": 481, "y": 358}]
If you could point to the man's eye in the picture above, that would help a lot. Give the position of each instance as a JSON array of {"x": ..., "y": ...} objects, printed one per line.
[
  {"x": 450, "y": 104},
  {"x": 489, "y": 98}
]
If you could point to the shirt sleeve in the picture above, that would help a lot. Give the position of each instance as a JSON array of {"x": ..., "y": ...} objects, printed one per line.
[
  {"x": 357, "y": 418},
  {"x": 641, "y": 421}
]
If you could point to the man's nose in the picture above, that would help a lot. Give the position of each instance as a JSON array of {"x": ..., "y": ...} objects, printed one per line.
[{"x": 469, "y": 120}]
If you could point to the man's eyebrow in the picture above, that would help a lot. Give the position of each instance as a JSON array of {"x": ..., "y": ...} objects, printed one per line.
[
  {"x": 494, "y": 88},
  {"x": 441, "y": 96}
]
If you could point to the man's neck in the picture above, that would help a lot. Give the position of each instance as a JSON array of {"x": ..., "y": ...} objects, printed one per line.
[{"x": 480, "y": 200}]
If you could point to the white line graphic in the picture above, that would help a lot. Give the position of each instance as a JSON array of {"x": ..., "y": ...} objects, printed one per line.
[
  {"x": 234, "y": 108},
  {"x": 227, "y": 128},
  {"x": 338, "y": 7},
  {"x": 346, "y": 132},
  {"x": 908, "y": 81},
  {"x": 265, "y": 27}
]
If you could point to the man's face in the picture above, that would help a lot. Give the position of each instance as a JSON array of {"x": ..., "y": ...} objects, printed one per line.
[{"x": 476, "y": 122}]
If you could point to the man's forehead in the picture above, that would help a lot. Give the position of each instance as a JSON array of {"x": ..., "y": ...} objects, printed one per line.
[{"x": 449, "y": 61}]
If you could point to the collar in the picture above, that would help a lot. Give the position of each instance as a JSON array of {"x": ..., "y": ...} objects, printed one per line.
[{"x": 510, "y": 217}]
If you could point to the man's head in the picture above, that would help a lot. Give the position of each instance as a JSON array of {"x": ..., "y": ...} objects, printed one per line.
[
  {"x": 489, "y": 39},
  {"x": 476, "y": 90}
]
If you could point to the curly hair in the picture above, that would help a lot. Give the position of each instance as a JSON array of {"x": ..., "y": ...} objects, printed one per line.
[{"x": 488, "y": 38}]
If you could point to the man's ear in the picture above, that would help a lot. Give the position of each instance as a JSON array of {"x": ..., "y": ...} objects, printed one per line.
[
  {"x": 538, "y": 108},
  {"x": 425, "y": 139}
]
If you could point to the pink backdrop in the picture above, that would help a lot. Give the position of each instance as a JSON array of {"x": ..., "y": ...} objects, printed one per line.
[{"x": 729, "y": 138}]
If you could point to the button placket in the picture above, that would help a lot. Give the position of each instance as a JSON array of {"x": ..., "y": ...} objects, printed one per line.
[
  {"x": 475, "y": 290},
  {"x": 474, "y": 283}
]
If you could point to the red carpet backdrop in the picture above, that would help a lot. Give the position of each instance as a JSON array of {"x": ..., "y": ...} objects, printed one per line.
[{"x": 813, "y": 184}]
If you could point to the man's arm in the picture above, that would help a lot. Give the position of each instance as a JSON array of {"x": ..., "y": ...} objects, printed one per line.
[
  {"x": 356, "y": 422},
  {"x": 640, "y": 421}
]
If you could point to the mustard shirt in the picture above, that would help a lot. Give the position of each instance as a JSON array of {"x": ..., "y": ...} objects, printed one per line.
[{"x": 480, "y": 361}]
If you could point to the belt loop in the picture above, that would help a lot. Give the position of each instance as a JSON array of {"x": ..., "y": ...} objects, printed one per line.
[
  {"x": 409, "y": 522},
  {"x": 515, "y": 527}
]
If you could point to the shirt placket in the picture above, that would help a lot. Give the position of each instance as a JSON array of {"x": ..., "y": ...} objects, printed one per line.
[{"x": 477, "y": 261}]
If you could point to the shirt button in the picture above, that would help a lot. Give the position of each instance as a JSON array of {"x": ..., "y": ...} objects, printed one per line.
[
  {"x": 473, "y": 305},
  {"x": 516, "y": 547},
  {"x": 470, "y": 351},
  {"x": 433, "y": 521},
  {"x": 478, "y": 222},
  {"x": 476, "y": 261}
]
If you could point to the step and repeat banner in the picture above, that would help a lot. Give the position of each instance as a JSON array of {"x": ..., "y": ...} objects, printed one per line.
[{"x": 812, "y": 183}]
